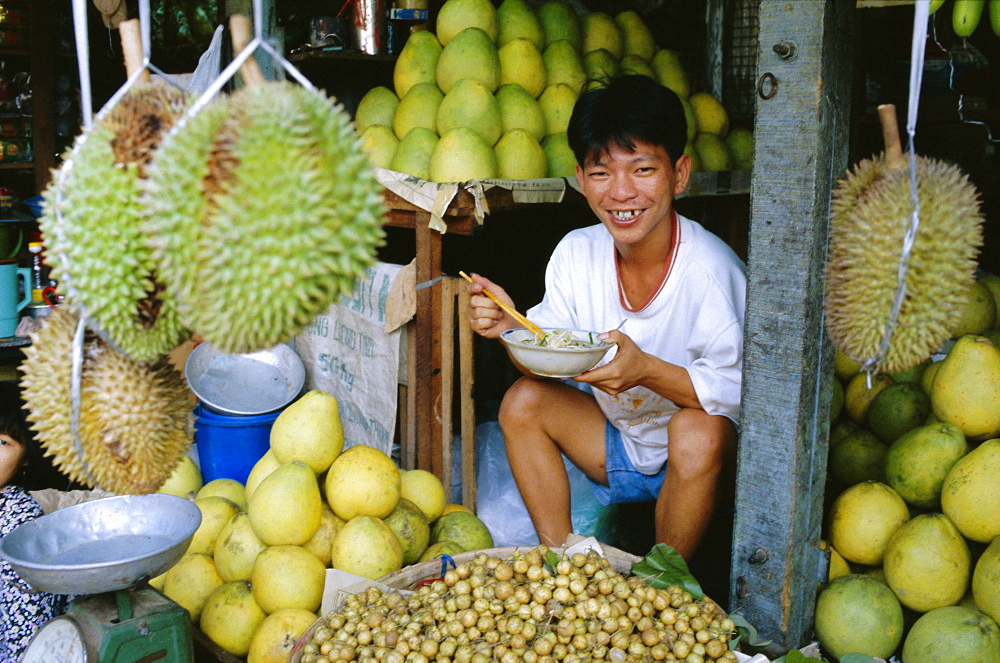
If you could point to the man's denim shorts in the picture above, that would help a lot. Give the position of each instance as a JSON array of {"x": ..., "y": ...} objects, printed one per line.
[{"x": 625, "y": 483}]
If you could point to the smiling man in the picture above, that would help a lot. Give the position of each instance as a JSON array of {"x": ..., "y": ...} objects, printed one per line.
[{"x": 658, "y": 420}]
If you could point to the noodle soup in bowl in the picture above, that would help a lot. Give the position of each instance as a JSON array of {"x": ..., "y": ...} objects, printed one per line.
[{"x": 563, "y": 353}]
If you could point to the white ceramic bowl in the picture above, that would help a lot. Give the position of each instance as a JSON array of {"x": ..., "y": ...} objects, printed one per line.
[{"x": 554, "y": 362}]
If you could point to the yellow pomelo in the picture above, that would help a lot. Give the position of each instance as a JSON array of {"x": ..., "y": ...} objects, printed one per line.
[
  {"x": 563, "y": 65},
  {"x": 601, "y": 31},
  {"x": 600, "y": 67},
  {"x": 836, "y": 398},
  {"x": 521, "y": 62},
  {"x": 190, "y": 581},
  {"x": 838, "y": 565},
  {"x": 471, "y": 54},
  {"x": 862, "y": 520},
  {"x": 468, "y": 104},
  {"x": 692, "y": 153},
  {"x": 236, "y": 548},
  {"x": 231, "y": 489},
  {"x": 919, "y": 461},
  {"x": 274, "y": 638},
  {"x": 517, "y": 20},
  {"x": 231, "y": 617},
  {"x": 638, "y": 39},
  {"x": 441, "y": 548},
  {"x": 670, "y": 73},
  {"x": 970, "y": 495},
  {"x": 520, "y": 157},
  {"x": 424, "y": 489},
  {"x": 713, "y": 152},
  {"x": 519, "y": 110},
  {"x": 376, "y": 107},
  {"x": 457, "y": 15},
  {"x": 927, "y": 563},
  {"x": 712, "y": 117},
  {"x": 462, "y": 155},
  {"x": 691, "y": 122},
  {"x": 379, "y": 143},
  {"x": 979, "y": 314},
  {"x": 858, "y": 395},
  {"x": 844, "y": 367},
  {"x": 410, "y": 526},
  {"x": 216, "y": 511},
  {"x": 309, "y": 430},
  {"x": 365, "y": 546},
  {"x": 462, "y": 528},
  {"x": 966, "y": 388},
  {"x": 559, "y": 22},
  {"x": 184, "y": 481},
  {"x": 286, "y": 508},
  {"x": 557, "y": 103},
  {"x": 635, "y": 65},
  {"x": 898, "y": 408},
  {"x": 740, "y": 144},
  {"x": 413, "y": 156},
  {"x": 363, "y": 481},
  {"x": 322, "y": 540},
  {"x": 417, "y": 62},
  {"x": 858, "y": 614},
  {"x": 450, "y": 508},
  {"x": 559, "y": 158},
  {"x": 418, "y": 108},
  {"x": 992, "y": 283},
  {"x": 927, "y": 377},
  {"x": 986, "y": 581},
  {"x": 857, "y": 458},
  {"x": 287, "y": 577},
  {"x": 264, "y": 466},
  {"x": 952, "y": 633}
]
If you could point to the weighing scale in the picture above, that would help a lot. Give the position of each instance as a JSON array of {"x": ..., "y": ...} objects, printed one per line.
[{"x": 116, "y": 616}]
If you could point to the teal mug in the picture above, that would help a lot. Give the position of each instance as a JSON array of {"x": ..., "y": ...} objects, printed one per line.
[{"x": 15, "y": 294}]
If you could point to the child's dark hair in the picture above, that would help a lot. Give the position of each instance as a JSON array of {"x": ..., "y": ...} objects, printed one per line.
[
  {"x": 12, "y": 416},
  {"x": 38, "y": 470},
  {"x": 627, "y": 109}
]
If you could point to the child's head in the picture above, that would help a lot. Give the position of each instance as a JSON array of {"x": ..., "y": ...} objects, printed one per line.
[
  {"x": 627, "y": 109},
  {"x": 17, "y": 443}
]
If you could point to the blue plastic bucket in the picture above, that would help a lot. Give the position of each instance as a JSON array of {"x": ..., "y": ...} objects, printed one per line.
[{"x": 229, "y": 445}]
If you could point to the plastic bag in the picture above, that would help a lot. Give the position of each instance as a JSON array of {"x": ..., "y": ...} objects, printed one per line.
[
  {"x": 209, "y": 66},
  {"x": 500, "y": 507}
]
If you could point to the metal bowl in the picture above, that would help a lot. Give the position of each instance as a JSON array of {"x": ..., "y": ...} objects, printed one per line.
[
  {"x": 555, "y": 362},
  {"x": 245, "y": 384},
  {"x": 103, "y": 545}
]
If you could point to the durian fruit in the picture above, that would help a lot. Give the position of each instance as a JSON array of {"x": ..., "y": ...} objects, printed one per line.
[
  {"x": 263, "y": 210},
  {"x": 135, "y": 418},
  {"x": 869, "y": 215},
  {"x": 92, "y": 225}
]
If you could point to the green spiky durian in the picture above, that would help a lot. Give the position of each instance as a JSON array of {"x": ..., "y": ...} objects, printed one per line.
[
  {"x": 869, "y": 215},
  {"x": 92, "y": 225},
  {"x": 264, "y": 210},
  {"x": 135, "y": 418}
]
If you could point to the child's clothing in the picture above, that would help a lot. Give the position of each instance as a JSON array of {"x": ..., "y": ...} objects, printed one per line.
[{"x": 21, "y": 612}]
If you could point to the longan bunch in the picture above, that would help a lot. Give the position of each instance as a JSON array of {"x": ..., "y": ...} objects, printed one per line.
[{"x": 523, "y": 608}]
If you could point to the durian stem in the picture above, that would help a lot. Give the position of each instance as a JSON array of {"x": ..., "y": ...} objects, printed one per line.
[
  {"x": 131, "y": 38},
  {"x": 890, "y": 134},
  {"x": 240, "y": 30}
]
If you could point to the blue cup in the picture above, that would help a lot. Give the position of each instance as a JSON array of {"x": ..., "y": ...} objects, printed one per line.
[{"x": 15, "y": 294}]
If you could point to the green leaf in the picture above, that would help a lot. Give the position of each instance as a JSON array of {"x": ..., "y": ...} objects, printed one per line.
[
  {"x": 550, "y": 560},
  {"x": 745, "y": 628},
  {"x": 854, "y": 658},
  {"x": 663, "y": 566}
]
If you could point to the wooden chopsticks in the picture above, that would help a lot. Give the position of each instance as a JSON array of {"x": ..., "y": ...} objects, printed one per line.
[{"x": 528, "y": 324}]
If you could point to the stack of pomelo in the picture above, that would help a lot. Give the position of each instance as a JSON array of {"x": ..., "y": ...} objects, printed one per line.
[
  {"x": 254, "y": 574},
  {"x": 913, "y": 462}
]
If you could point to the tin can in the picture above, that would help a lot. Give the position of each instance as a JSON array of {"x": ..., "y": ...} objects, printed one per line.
[{"x": 370, "y": 18}]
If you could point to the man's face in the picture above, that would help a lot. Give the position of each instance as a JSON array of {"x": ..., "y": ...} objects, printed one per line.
[{"x": 632, "y": 191}]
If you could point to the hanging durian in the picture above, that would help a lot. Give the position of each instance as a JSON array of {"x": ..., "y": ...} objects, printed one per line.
[
  {"x": 92, "y": 222},
  {"x": 135, "y": 418},
  {"x": 869, "y": 215},
  {"x": 263, "y": 210}
]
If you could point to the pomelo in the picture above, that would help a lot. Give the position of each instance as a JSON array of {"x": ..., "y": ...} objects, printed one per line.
[
  {"x": 287, "y": 577},
  {"x": 986, "y": 581},
  {"x": 231, "y": 617},
  {"x": 557, "y": 103},
  {"x": 517, "y": 20},
  {"x": 469, "y": 104},
  {"x": 365, "y": 546},
  {"x": 454, "y": 16},
  {"x": 310, "y": 429},
  {"x": 898, "y": 408},
  {"x": 184, "y": 481},
  {"x": 520, "y": 157},
  {"x": 635, "y": 65},
  {"x": 858, "y": 457},
  {"x": 858, "y": 395},
  {"x": 559, "y": 21},
  {"x": 559, "y": 158},
  {"x": 712, "y": 116},
  {"x": 858, "y": 614},
  {"x": 231, "y": 489},
  {"x": 413, "y": 156},
  {"x": 979, "y": 314},
  {"x": 216, "y": 511},
  {"x": 322, "y": 541},
  {"x": 951, "y": 634},
  {"x": 927, "y": 563},
  {"x": 712, "y": 151},
  {"x": 670, "y": 73},
  {"x": 190, "y": 581},
  {"x": 471, "y": 54},
  {"x": 465, "y": 529},
  {"x": 522, "y": 63},
  {"x": 462, "y": 155},
  {"x": 417, "y": 62},
  {"x": 237, "y": 548},
  {"x": 918, "y": 462},
  {"x": 970, "y": 495},
  {"x": 363, "y": 481},
  {"x": 862, "y": 520},
  {"x": 264, "y": 466},
  {"x": 376, "y": 107},
  {"x": 425, "y": 490},
  {"x": 844, "y": 367},
  {"x": 379, "y": 143},
  {"x": 274, "y": 638},
  {"x": 563, "y": 65},
  {"x": 519, "y": 110},
  {"x": 441, "y": 548},
  {"x": 601, "y": 32},
  {"x": 410, "y": 526},
  {"x": 638, "y": 39},
  {"x": 417, "y": 108}
]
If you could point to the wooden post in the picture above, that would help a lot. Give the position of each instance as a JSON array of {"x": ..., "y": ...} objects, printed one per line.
[
  {"x": 801, "y": 131},
  {"x": 426, "y": 347}
]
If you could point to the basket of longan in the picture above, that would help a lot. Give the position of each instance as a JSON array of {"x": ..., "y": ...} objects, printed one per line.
[{"x": 520, "y": 604}]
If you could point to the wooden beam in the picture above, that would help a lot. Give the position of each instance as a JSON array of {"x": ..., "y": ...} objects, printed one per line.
[
  {"x": 801, "y": 140},
  {"x": 426, "y": 348}
]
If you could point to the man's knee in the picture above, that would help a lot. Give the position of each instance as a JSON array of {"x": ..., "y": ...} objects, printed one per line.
[
  {"x": 699, "y": 442},
  {"x": 520, "y": 401}
]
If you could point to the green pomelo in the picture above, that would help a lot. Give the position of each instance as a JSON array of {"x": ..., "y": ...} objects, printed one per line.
[
  {"x": 910, "y": 375},
  {"x": 410, "y": 526},
  {"x": 458, "y": 15},
  {"x": 559, "y": 21},
  {"x": 986, "y": 581},
  {"x": 690, "y": 121},
  {"x": 970, "y": 495},
  {"x": 919, "y": 461},
  {"x": 559, "y": 158},
  {"x": 519, "y": 110},
  {"x": 897, "y": 409},
  {"x": 858, "y": 614},
  {"x": 470, "y": 105},
  {"x": 413, "y": 156},
  {"x": 979, "y": 314},
  {"x": 600, "y": 66},
  {"x": 950, "y": 634},
  {"x": 862, "y": 520},
  {"x": 471, "y": 54},
  {"x": 633, "y": 64},
  {"x": 378, "y": 106},
  {"x": 417, "y": 62},
  {"x": 836, "y": 398},
  {"x": 517, "y": 20},
  {"x": 418, "y": 108},
  {"x": 557, "y": 106},
  {"x": 379, "y": 143},
  {"x": 462, "y": 528},
  {"x": 601, "y": 31},
  {"x": 927, "y": 563},
  {"x": 522, "y": 63},
  {"x": 462, "y": 155},
  {"x": 841, "y": 429},
  {"x": 858, "y": 457},
  {"x": 713, "y": 152},
  {"x": 563, "y": 65},
  {"x": 711, "y": 114},
  {"x": 638, "y": 39},
  {"x": 740, "y": 144},
  {"x": 670, "y": 72},
  {"x": 692, "y": 153},
  {"x": 440, "y": 548},
  {"x": 520, "y": 157}
]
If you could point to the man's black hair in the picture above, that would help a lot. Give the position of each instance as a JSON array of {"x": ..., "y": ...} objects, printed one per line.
[{"x": 627, "y": 109}]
